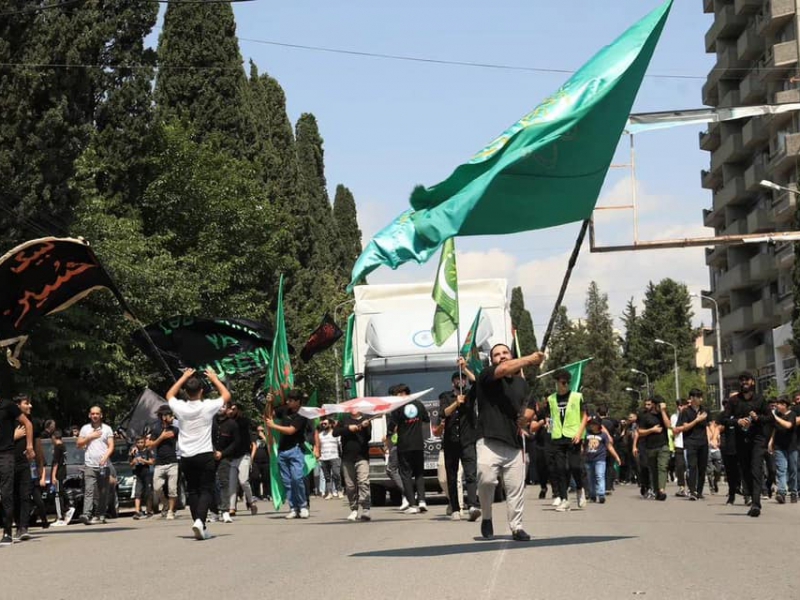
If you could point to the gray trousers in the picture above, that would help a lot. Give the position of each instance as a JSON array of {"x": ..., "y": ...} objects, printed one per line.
[
  {"x": 393, "y": 468},
  {"x": 496, "y": 459},
  {"x": 95, "y": 493},
  {"x": 356, "y": 483},
  {"x": 240, "y": 476}
]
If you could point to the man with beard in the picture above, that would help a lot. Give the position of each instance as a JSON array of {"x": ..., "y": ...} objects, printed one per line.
[
  {"x": 653, "y": 424},
  {"x": 692, "y": 426},
  {"x": 751, "y": 414}
]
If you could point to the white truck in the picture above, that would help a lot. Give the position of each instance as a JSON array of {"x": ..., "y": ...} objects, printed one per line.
[{"x": 392, "y": 343}]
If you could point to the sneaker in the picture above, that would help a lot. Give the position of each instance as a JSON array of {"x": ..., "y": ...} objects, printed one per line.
[
  {"x": 474, "y": 513},
  {"x": 661, "y": 496},
  {"x": 563, "y": 507},
  {"x": 226, "y": 517},
  {"x": 137, "y": 515},
  {"x": 411, "y": 510},
  {"x": 22, "y": 535},
  {"x": 601, "y": 500},
  {"x": 520, "y": 536},
  {"x": 96, "y": 521},
  {"x": 487, "y": 530},
  {"x": 6, "y": 540},
  {"x": 793, "y": 498},
  {"x": 543, "y": 494},
  {"x": 701, "y": 497},
  {"x": 60, "y": 523},
  {"x": 338, "y": 494},
  {"x": 692, "y": 496},
  {"x": 404, "y": 505},
  {"x": 212, "y": 518},
  {"x": 754, "y": 512},
  {"x": 170, "y": 515},
  {"x": 304, "y": 514},
  {"x": 731, "y": 500},
  {"x": 748, "y": 500},
  {"x": 69, "y": 515},
  {"x": 780, "y": 498},
  {"x": 207, "y": 534},
  {"x": 448, "y": 511},
  {"x": 353, "y": 516},
  {"x": 556, "y": 501},
  {"x": 86, "y": 520},
  {"x": 423, "y": 507},
  {"x": 681, "y": 493},
  {"x": 581, "y": 499},
  {"x": 253, "y": 508},
  {"x": 198, "y": 529},
  {"x": 365, "y": 516},
  {"x": 292, "y": 514},
  {"x": 456, "y": 516}
]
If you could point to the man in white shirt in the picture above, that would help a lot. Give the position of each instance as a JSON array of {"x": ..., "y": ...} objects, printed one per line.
[
  {"x": 680, "y": 457},
  {"x": 97, "y": 439},
  {"x": 194, "y": 443}
]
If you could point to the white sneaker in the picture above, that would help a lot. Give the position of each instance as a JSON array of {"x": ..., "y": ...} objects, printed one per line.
[
  {"x": 226, "y": 517},
  {"x": 455, "y": 516},
  {"x": 304, "y": 514},
  {"x": 411, "y": 510},
  {"x": 563, "y": 507},
  {"x": 338, "y": 494},
  {"x": 423, "y": 507},
  {"x": 404, "y": 505},
  {"x": 59, "y": 523},
  {"x": 292, "y": 514},
  {"x": 328, "y": 496},
  {"x": 353, "y": 516},
  {"x": 556, "y": 501},
  {"x": 198, "y": 529},
  {"x": 170, "y": 516},
  {"x": 207, "y": 534},
  {"x": 69, "y": 515},
  {"x": 582, "y": 499}
]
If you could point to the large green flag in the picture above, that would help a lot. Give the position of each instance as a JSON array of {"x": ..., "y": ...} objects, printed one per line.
[
  {"x": 445, "y": 294},
  {"x": 469, "y": 350},
  {"x": 576, "y": 370},
  {"x": 348, "y": 361},
  {"x": 545, "y": 170}
]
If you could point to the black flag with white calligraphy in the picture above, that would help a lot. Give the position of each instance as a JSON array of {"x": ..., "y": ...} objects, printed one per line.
[
  {"x": 323, "y": 337},
  {"x": 44, "y": 276},
  {"x": 231, "y": 347}
]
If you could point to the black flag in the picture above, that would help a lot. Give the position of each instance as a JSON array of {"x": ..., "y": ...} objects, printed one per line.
[
  {"x": 44, "y": 276},
  {"x": 321, "y": 339}
]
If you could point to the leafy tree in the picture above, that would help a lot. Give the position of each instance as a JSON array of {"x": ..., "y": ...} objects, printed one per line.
[
  {"x": 632, "y": 350},
  {"x": 668, "y": 316},
  {"x": 526, "y": 336},
  {"x": 601, "y": 377},
  {"x": 346, "y": 223}
]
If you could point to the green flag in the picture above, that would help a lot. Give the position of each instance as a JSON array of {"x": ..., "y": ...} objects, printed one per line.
[
  {"x": 545, "y": 170},
  {"x": 348, "y": 362},
  {"x": 445, "y": 294},
  {"x": 470, "y": 348},
  {"x": 576, "y": 370}
]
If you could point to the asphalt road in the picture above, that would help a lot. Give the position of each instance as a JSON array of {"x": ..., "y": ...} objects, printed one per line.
[{"x": 626, "y": 548}]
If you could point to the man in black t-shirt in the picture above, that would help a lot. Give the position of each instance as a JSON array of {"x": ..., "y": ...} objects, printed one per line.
[
  {"x": 725, "y": 438},
  {"x": 355, "y": 431},
  {"x": 408, "y": 422},
  {"x": 653, "y": 425},
  {"x": 10, "y": 416},
  {"x": 163, "y": 440},
  {"x": 783, "y": 445},
  {"x": 691, "y": 423},
  {"x": 504, "y": 407},
  {"x": 28, "y": 475},
  {"x": 292, "y": 427},
  {"x": 241, "y": 461},
  {"x": 226, "y": 442}
]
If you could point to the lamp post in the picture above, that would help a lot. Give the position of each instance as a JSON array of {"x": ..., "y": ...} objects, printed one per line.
[
  {"x": 336, "y": 352},
  {"x": 646, "y": 378},
  {"x": 675, "y": 352},
  {"x": 719, "y": 346},
  {"x": 635, "y": 391}
]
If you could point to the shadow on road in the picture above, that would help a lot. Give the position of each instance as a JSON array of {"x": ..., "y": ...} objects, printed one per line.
[
  {"x": 84, "y": 529},
  {"x": 483, "y": 546}
]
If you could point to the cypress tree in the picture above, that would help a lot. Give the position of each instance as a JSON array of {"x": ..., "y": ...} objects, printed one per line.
[
  {"x": 526, "y": 336},
  {"x": 668, "y": 316},
  {"x": 601, "y": 379},
  {"x": 346, "y": 223}
]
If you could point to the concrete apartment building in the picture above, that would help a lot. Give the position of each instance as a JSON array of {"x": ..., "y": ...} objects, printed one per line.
[{"x": 757, "y": 48}]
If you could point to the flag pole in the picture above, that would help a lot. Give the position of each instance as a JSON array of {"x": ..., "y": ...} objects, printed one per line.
[{"x": 570, "y": 266}]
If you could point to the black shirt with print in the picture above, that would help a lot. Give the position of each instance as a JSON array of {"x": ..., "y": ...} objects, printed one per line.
[{"x": 500, "y": 403}]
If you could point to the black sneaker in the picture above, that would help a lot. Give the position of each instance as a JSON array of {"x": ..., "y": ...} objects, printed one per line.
[
  {"x": 6, "y": 540},
  {"x": 793, "y": 498},
  {"x": 22, "y": 535},
  {"x": 520, "y": 536},
  {"x": 701, "y": 497},
  {"x": 692, "y": 496},
  {"x": 543, "y": 494},
  {"x": 487, "y": 529},
  {"x": 780, "y": 498},
  {"x": 661, "y": 496},
  {"x": 754, "y": 512},
  {"x": 731, "y": 500},
  {"x": 747, "y": 501},
  {"x": 602, "y": 499},
  {"x": 137, "y": 516},
  {"x": 86, "y": 520}
]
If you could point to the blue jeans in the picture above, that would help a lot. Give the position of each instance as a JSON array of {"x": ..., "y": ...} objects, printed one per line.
[
  {"x": 596, "y": 478},
  {"x": 786, "y": 459},
  {"x": 291, "y": 463}
]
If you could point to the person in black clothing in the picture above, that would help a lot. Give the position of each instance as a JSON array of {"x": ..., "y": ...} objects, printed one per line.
[
  {"x": 541, "y": 449},
  {"x": 140, "y": 460},
  {"x": 458, "y": 442},
  {"x": 783, "y": 446},
  {"x": 751, "y": 414},
  {"x": 653, "y": 424},
  {"x": 292, "y": 427},
  {"x": 226, "y": 444},
  {"x": 10, "y": 416},
  {"x": 259, "y": 480},
  {"x": 407, "y": 421},
  {"x": 241, "y": 461},
  {"x": 355, "y": 431},
  {"x": 163, "y": 441},
  {"x": 692, "y": 424},
  {"x": 58, "y": 474},
  {"x": 28, "y": 475},
  {"x": 725, "y": 438},
  {"x": 613, "y": 429}
]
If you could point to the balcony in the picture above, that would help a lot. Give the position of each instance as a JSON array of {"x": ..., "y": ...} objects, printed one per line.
[
  {"x": 711, "y": 93},
  {"x": 763, "y": 268},
  {"x": 785, "y": 157},
  {"x": 729, "y": 65},
  {"x": 765, "y": 313},
  {"x": 764, "y": 355},
  {"x": 747, "y": 7},
  {"x": 740, "y": 319},
  {"x": 727, "y": 24},
  {"x": 731, "y": 150},
  {"x": 785, "y": 307},
  {"x": 787, "y": 96},
  {"x": 744, "y": 360},
  {"x": 752, "y": 89},
  {"x": 785, "y": 206},
  {"x": 737, "y": 227},
  {"x": 709, "y": 180},
  {"x": 776, "y": 14},
  {"x": 784, "y": 255},
  {"x": 716, "y": 256},
  {"x": 778, "y": 61},
  {"x": 730, "y": 99},
  {"x": 708, "y": 6},
  {"x": 709, "y": 140},
  {"x": 754, "y": 134},
  {"x": 760, "y": 220},
  {"x": 732, "y": 193},
  {"x": 735, "y": 278},
  {"x": 753, "y": 176},
  {"x": 713, "y": 219}
]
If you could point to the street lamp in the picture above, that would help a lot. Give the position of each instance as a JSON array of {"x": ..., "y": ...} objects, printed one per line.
[
  {"x": 336, "y": 352},
  {"x": 646, "y": 378},
  {"x": 675, "y": 352},
  {"x": 719, "y": 343},
  {"x": 635, "y": 391},
  {"x": 771, "y": 185}
]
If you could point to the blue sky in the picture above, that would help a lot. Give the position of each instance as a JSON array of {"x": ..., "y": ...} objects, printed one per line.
[{"x": 389, "y": 125}]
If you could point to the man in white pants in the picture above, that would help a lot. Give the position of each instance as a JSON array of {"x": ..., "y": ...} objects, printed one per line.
[{"x": 503, "y": 396}]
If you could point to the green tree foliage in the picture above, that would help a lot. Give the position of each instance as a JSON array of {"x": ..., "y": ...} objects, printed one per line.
[
  {"x": 688, "y": 379},
  {"x": 526, "y": 336},
  {"x": 632, "y": 350},
  {"x": 346, "y": 223},
  {"x": 601, "y": 377}
]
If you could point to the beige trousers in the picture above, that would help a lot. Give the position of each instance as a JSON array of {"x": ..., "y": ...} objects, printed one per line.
[{"x": 496, "y": 459}]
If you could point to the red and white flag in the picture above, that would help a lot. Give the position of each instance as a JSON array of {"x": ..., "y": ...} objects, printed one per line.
[{"x": 375, "y": 406}]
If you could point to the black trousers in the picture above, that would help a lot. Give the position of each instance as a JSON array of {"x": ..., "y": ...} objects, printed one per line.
[
  {"x": 260, "y": 479},
  {"x": 542, "y": 460},
  {"x": 222, "y": 494},
  {"x": 455, "y": 452},
  {"x": 751, "y": 462},
  {"x": 732, "y": 475},
  {"x": 680, "y": 467},
  {"x": 771, "y": 473},
  {"x": 567, "y": 463},
  {"x": 199, "y": 471},
  {"x": 22, "y": 496},
  {"x": 412, "y": 472},
  {"x": 697, "y": 461},
  {"x": 36, "y": 498},
  {"x": 7, "y": 489}
]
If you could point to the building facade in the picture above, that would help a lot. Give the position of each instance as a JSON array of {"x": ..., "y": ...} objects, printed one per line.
[{"x": 757, "y": 47}]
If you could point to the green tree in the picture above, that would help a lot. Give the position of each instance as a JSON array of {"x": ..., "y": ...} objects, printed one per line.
[
  {"x": 667, "y": 316},
  {"x": 632, "y": 350},
  {"x": 688, "y": 378},
  {"x": 346, "y": 222},
  {"x": 526, "y": 336},
  {"x": 601, "y": 377}
]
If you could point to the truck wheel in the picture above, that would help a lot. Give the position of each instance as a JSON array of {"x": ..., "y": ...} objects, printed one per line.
[{"x": 378, "y": 495}]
